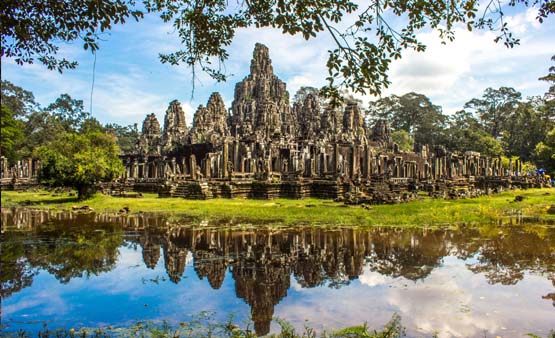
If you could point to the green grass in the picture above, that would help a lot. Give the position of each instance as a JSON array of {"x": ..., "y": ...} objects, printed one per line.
[{"x": 423, "y": 212}]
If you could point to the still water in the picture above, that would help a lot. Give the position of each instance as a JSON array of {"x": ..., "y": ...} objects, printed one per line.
[{"x": 68, "y": 270}]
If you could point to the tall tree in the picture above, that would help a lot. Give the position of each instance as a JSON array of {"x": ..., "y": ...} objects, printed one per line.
[
  {"x": 528, "y": 126},
  {"x": 412, "y": 112},
  {"x": 550, "y": 77},
  {"x": 31, "y": 29},
  {"x": 11, "y": 135},
  {"x": 68, "y": 111},
  {"x": 495, "y": 108},
  {"x": 19, "y": 101},
  {"x": 126, "y": 136},
  {"x": 545, "y": 153}
]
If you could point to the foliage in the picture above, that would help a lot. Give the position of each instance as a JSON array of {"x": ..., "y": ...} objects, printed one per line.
[
  {"x": 413, "y": 113},
  {"x": 463, "y": 139},
  {"x": 403, "y": 140},
  {"x": 79, "y": 161},
  {"x": 68, "y": 112},
  {"x": 18, "y": 100},
  {"x": 11, "y": 134},
  {"x": 32, "y": 29},
  {"x": 495, "y": 108},
  {"x": 528, "y": 126},
  {"x": 203, "y": 325},
  {"x": 126, "y": 135},
  {"x": 527, "y": 167},
  {"x": 359, "y": 60},
  {"x": 545, "y": 153},
  {"x": 392, "y": 329},
  {"x": 550, "y": 77}
]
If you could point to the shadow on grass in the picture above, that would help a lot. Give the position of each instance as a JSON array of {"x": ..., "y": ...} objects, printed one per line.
[{"x": 50, "y": 201}]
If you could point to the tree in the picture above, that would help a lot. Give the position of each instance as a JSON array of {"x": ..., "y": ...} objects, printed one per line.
[
  {"x": 403, "y": 140},
  {"x": 126, "y": 136},
  {"x": 550, "y": 95},
  {"x": 495, "y": 108},
  {"x": 413, "y": 113},
  {"x": 79, "y": 161},
  {"x": 40, "y": 128},
  {"x": 31, "y": 29},
  {"x": 69, "y": 112},
  {"x": 11, "y": 135},
  {"x": 465, "y": 133},
  {"x": 18, "y": 100},
  {"x": 545, "y": 153},
  {"x": 358, "y": 61},
  {"x": 303, "y": 92},
  {"x": 528, "y": 126}
]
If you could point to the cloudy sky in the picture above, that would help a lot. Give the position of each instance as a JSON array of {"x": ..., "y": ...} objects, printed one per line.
[{"x": 130, "y": 82}]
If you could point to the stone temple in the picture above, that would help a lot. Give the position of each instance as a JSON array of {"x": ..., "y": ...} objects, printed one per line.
[{"x": 265, "y": 147}]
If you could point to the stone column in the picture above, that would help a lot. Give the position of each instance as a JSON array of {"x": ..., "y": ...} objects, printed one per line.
[
  {"x": 193, "y": 166},
  {"x": 224, "y": 159}
]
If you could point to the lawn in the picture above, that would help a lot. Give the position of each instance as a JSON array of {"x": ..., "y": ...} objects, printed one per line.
[{"x": 423, "y": 212}]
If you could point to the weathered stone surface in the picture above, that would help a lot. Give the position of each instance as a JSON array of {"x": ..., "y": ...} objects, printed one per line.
[
  {"x": 308, "y": 116},
  {"x": 175, "y": 126},
  {"x": 149, "y": 141},
  {"x": 261, "y": 104},
  {"x": 267, "y": 149},
  {"x": 210, "y": 123}
]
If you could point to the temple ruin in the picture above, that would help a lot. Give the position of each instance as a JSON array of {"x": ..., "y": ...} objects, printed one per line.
[{"x": 264, "y": 147}]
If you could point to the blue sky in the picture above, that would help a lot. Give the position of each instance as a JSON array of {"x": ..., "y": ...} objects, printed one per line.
[{"x": 130, "y": 82}]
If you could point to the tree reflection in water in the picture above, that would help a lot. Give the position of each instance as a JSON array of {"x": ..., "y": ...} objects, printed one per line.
[{"x": 262, "y": 260}]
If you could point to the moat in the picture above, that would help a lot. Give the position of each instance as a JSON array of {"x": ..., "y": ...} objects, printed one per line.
[{"x": 71, "y": 270}]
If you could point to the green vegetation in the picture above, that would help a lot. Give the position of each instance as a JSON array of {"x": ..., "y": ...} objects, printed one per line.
[
  {"x": 423, "y": 212},
  {"x": 203, "y": 325},
  {"x": 33, "y": 30},
  {"x": 498, "y": 124},
  {"x": 79, "y": 161}
]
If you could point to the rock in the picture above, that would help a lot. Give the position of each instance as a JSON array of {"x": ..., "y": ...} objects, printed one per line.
[
  {"x": 551, "y": 210},
  {"x": 84, "y": 208},
  {"x": 519, "y": 198}
]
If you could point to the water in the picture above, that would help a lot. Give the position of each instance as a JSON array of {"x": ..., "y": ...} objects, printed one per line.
[{"x": 68, "y": 270}]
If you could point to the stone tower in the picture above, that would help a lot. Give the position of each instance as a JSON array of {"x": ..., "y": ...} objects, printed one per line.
[
  {"x": 149, "y": 141},
  {"x": 261, "y": 102},
  {"x": 308, "y": 117},
  {"x": 353, "y": 121},
  {"x": 210, "y": 122},
  {"x": 175, "y": 126}
]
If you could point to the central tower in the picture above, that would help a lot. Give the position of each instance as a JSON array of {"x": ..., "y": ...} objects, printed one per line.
[{"x": 261, "y": 103}]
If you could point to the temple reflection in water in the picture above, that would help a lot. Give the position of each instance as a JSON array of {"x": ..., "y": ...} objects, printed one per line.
[{"x": 263, "y": 261}]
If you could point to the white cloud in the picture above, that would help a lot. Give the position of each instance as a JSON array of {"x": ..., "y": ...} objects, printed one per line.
[{"x": 131, "y": 82}]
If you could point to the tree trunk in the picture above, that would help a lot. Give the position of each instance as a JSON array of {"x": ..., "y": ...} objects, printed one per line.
[{"x": 84, "y": 192}]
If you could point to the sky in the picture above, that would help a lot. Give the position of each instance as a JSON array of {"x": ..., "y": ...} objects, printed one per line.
[{"x": 130, "y": 81}]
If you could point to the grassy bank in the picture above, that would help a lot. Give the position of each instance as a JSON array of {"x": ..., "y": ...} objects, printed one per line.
[{"x": 425, "y": 211}]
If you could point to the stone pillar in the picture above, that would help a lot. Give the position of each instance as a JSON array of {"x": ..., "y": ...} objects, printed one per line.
[
  {"x": 224, "y": 159},
  {"x": 207, "y": 167},
  {"x": 193, "y": 166},
  {"x": 335, "y": 157},
  {"x": 236, "y": 158}
]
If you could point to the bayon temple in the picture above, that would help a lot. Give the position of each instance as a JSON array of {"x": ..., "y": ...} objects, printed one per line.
[{"x": 264, "y": 147}]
